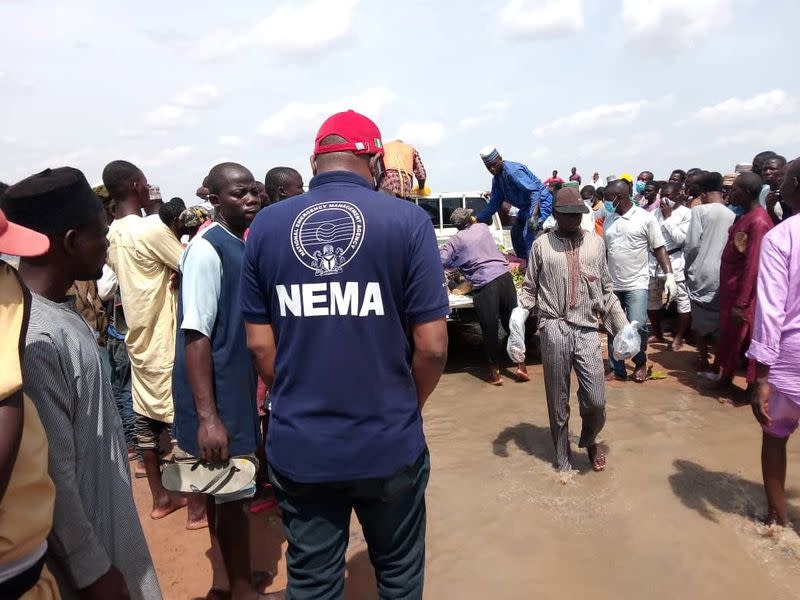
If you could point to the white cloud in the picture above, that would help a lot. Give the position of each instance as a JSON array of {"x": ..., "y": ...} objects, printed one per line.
[
  {"x": 539, "y": 153},
  {"x": 168, "y": 116},
  {"x": 230, "y": 140},
  {"x": 760, "y": 106},
  {"x": 541, "y": 19},
  {"x": 605, "y": 114},
  {"x": 297, "y": 120},
  {"x": 180, "y": 111},
  {"x": 423, "y": 134},
  {"x": 491, "y": 111},
  {"x": 290, "y": 30},
  {"x": 593, "y": 148},
  {"x": 201, "y": 96},
  {"x": 167, "y": 156},
  {"x": 687, "y": 21},
  {"x": 769, "y": 137}
]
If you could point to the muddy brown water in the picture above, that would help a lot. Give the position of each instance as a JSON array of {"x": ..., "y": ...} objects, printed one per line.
[{"x": 675, "y": 515}]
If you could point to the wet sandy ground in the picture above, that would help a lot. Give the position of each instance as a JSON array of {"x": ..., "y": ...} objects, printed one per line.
[{"x": 674, "y": 515}]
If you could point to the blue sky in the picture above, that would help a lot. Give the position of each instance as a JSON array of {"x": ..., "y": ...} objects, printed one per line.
[{"x": 606, "y": 85}]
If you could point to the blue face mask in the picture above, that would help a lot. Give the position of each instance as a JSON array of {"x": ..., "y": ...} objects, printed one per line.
[
  {"x": 737, "y": 210},
  {"x": 609, "y": 206},
  {"x": 640, "y": 185}
]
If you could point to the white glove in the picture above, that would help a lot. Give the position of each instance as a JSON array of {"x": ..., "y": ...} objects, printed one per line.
[{"x": 671, "y": 288}]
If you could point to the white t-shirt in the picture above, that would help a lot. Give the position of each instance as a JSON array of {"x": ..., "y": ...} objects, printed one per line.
[
  {"x": 675, "y": 229},
  {"x": 629, "y": 240}
]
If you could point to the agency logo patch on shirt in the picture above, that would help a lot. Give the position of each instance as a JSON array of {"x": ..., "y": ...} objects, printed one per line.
[{"x": 327, "y": 236}]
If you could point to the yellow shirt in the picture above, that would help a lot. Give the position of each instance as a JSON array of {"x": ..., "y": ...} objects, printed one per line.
[
  {"x": 26, "y": 512},
  {"x": 144, "y": 253}
]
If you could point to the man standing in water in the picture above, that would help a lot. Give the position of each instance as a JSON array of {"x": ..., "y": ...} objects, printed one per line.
[
  {"x": 568, "y": 285},
  {"x": 776, "y": 346},
  {"x": 515, "y": 184},
  {"x": 355, "y": 272}
]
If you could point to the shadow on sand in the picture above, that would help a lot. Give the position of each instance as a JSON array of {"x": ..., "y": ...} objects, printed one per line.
[
  {"x": 536, "y": 441},
  {"x": 705, "y": 491}
]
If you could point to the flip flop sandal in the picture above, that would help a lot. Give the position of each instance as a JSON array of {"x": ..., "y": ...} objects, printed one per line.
[{"x": 201, "y": 478}]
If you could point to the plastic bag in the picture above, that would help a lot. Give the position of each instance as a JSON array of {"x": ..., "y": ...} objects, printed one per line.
[
  {"x": 628, "y": 342},
  {"x": 516, "y": 338}
]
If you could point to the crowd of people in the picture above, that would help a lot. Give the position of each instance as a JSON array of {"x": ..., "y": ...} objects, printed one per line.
[{"x": 180, "y": 338}]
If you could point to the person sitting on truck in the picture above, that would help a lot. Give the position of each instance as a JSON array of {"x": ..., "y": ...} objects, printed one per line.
[
  {"x": 474, "y": 251},
  {"x": 402, "y": 163},
  {"x": 515, "y": 184}
]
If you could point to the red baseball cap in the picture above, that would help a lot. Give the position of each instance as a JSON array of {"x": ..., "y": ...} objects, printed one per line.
[
  {"x": 21, "y": 241},
  {"x": 362, "y": 135}
]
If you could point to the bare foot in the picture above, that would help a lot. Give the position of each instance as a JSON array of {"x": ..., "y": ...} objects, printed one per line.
[
  {"x": 494, "y": 377},
  {"x": 522, "y": 373},
  {"x": 597, "y": 458},
  {"x": 611, "y": 376},
  {"x": 161, "y": 511},
  {"x": 640, "y": 374},
  {"x": 676, "y": 345},
  {"x": 196, "y": 524}
]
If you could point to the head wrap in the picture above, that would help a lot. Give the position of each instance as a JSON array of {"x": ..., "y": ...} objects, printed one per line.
[
  {"x": 489, "y": 154},
  {"x": 461, "y": 217},
  {"x": 729, "y": 178},
  {"x": 194, "y": 216},
  {"x": 52, "y": 202}
]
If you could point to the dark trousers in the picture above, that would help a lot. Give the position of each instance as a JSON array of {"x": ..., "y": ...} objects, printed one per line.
[
  {"x": 494, "y": 303},
  {"x": 120, "y": 376},
  {"x": 316, "y": 518}
]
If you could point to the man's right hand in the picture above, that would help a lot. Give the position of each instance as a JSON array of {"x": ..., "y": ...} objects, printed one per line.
[
  {"x": 760, "y": 402},
  {"x": 212, "y": 437},
  {"x": 110, "y": 585}
]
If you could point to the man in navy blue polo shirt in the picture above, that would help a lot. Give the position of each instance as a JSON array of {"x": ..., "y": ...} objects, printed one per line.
[{"x": 332, "y": 283}]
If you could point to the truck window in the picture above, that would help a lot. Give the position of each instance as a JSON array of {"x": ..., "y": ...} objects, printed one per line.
[
  {"x": 431, "y": 206},
  {"x": 448, "y": 206}
]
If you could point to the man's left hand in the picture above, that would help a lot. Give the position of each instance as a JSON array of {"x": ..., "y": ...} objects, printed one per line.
[{"x": 671, "y": 287}]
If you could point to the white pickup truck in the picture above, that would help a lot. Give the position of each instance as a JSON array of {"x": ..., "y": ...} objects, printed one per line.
[{"x": 439, "y": 207}]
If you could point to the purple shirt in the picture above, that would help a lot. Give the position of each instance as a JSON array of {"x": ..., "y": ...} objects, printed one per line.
[
  {"x": 474, "y": 251},
  {"x": 776, "y": 331}
]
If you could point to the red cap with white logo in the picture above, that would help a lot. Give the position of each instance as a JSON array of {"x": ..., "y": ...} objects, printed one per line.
[{"x": 361, "y": 135}]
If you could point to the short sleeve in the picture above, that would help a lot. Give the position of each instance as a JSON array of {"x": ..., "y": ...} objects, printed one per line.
[
  {"x": 425, "y": 287},
  {"x": 162, "y": 244},
  {"x": 654, "y": 236},
  {"x": 255, "y": 297},
  {"x": 201, "y": 281}
]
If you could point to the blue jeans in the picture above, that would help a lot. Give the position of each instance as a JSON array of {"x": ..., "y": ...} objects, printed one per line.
[
  {"x": 522, "y": 236},
  {"x": 120, "y": 375},
  {"x": 634, "y": 303},
  {"x": 316, "y": 518}
]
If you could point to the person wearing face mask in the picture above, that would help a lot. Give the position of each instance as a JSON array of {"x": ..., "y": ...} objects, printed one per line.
[
  {"x": 708, "y": 234},
  {"x": 631, "y": 233},
  {"x": 639, "y": 186},
  {"x": 737, "y": 278},
  {"x": 334, "y": 279},
  {"x": 674, "y": 219}
]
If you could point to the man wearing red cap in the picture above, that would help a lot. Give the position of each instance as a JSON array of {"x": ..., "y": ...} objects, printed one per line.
[
  {"x": 350, "y": 437},
  {"x": 26, "y": 490}
]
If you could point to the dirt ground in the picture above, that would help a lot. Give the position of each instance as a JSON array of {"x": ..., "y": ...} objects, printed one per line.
[{"x": 675, "y": 515}]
